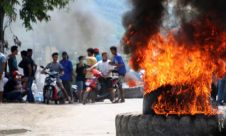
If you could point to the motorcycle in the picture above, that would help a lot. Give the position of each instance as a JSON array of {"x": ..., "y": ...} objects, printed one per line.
[
  {"x": 104, "y": 94},
  {"x": 89, "y": 94},
  {"x": 51, "y": 92}
]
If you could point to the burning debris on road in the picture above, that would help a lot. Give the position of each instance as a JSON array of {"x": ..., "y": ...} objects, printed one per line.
[{"x": 184, "y": 54}]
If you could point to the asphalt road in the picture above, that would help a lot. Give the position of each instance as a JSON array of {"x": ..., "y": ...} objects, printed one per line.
[{"x": 63, "y": 120}]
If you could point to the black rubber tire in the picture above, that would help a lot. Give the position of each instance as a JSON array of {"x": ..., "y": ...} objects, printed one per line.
[
  {"x": 56, "y": 102},
  {"x": 151, "y": 125}
]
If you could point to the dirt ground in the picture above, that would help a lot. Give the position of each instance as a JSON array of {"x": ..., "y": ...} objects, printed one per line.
[{"x": 63, "y": 120}]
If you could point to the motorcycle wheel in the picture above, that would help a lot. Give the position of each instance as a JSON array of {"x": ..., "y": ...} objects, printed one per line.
[
  {"x": 47, "y": 96},
  {"x": 85, "y": 97}
]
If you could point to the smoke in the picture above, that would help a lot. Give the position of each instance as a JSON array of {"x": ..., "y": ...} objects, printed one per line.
[
  {"x": 198, "y": 24},
  {"x": 141, "y": 22},
  {"x": 80, "y": 28},
  {"x": 82, "y": 25},
  {"x": 209, "y": 23}
]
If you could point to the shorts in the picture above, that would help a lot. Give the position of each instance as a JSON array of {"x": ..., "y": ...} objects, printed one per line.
[
  {"x": 80, "y": 85},
  {"x": 121, "y": 81}
]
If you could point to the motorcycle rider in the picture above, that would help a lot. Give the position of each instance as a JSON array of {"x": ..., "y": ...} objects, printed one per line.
[
  {"x": 55, "y": 66},
  {"x": 105, "y": 68}
]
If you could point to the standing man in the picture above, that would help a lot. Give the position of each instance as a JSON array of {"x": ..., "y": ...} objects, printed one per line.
[
  {"x": 68, "y": 71},
  {"x": 32, "y": 76},
  {"x": 26, "y": 65},
  {"x": 2, "y": 69},
  {"x": 81, "y": 76},
  {"x": 33, "y": 64},
  {"x": 118, "y": 62},
  {"x": 12, "y": 61}
]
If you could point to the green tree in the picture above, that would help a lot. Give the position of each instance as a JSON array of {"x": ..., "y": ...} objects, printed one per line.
[{"x": 30, "y": 11}]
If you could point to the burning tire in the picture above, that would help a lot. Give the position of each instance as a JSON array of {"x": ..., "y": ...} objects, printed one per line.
[{"x": 153, "y": 125}]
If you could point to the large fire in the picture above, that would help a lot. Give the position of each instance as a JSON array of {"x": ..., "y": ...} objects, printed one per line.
[
  {"x": 167, "y": 61},
  {"x": 181, "y": 46}
]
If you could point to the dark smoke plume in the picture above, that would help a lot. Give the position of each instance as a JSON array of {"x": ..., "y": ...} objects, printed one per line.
[
  {"x": 206, "y": 28},
  {"x": 141, "y": 22},
  {"x": 202, "y": 24}
]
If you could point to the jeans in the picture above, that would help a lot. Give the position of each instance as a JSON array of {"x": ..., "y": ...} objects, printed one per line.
[
  {"x": 222, "y": 90},
  {"x": 30, "y": 96},
  {"x": 80, "y": 85}
]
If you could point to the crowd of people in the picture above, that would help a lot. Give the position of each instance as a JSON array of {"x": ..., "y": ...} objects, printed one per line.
[{"x": 14, "y": 86}]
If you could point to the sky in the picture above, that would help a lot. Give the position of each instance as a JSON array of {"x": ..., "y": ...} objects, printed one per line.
[{"x": 83, "y": 24}]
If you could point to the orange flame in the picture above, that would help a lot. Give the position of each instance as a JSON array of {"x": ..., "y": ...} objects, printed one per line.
[
  {"x": 132, "y": 83},
  {"x": 189, "y": 70}
]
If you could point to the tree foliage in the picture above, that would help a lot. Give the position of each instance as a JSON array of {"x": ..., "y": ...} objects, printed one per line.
[{"x": 30, "y": 11}]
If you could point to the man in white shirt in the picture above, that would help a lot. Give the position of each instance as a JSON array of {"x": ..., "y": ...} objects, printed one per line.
[{"x": 105, "y": 68}]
